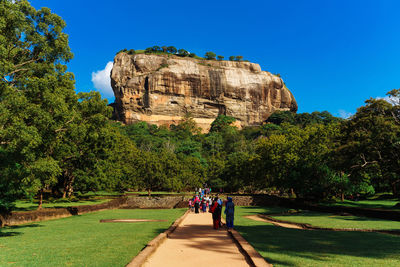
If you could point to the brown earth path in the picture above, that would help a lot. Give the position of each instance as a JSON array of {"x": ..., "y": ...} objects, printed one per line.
[
  {"x": 196, "y": 243},
  {"x": 286, "y": 225}
]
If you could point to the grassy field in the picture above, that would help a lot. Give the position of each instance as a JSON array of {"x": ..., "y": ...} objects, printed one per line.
[
  {"x": 82, "y": 240},
  {"x": 336, "y": 221},
  {"x": 292, "y": 247}
]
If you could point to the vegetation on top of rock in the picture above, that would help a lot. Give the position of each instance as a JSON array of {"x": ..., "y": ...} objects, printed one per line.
[
  {"x": 210, "y": 55},
  {"x": 171, "y": 50}
]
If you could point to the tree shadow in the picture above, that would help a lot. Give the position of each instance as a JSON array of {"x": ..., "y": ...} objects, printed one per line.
[
  {"x": 319, "y": 245},
  {"x": 7, "y": 234},
  {"x": 10, "y": 230}
]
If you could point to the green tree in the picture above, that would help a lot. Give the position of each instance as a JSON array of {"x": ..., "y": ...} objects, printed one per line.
[
  {"x": 156, "y": 48},
  {"x": 222, "y": 122},
  {"x": 239, "y": 58},
  {"x": 88, "y": 140},
  {"x": 232, "y": 58},
  {"x": 172, "y": 49},
  {"x": 183, "y": 53},
  {"x": 151, "y": 171},
  {"x": 279, "y": 117},
  {"x": 220, "y": 57},
  {"x": 210, "y": 55},
  {"x": 37, "y": 94},
  {"x": 370, "y": 144}
]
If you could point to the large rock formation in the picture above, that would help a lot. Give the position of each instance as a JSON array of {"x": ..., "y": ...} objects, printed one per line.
[{"x": 161, "y": 89}]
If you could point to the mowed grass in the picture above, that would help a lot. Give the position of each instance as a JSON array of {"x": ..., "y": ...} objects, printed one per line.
[
  {"x": 82, "y": 240},
  {"x": 336, "y": 221},
  {"x": 292, "y": 247}
]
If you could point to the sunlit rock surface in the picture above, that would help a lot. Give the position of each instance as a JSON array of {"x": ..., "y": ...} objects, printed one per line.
[{"x": 161, "y": 89}]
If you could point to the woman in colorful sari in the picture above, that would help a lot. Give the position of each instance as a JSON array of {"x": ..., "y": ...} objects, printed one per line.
[
  {"x": 230, "y": 213},
  {"x": 216, "y": 213}
]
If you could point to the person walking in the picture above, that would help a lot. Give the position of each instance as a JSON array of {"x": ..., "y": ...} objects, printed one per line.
[
  {"x": 190, "y": 204},
  {"x": 216, "y": 213},
  {"x": 230, "y": 213},
  {"x": 220, "y": 203},
  {"x": 203, "y": 205},
  {"x": 196, "y": 204}
]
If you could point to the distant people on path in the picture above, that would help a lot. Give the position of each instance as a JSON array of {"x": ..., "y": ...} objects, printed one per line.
[
  {"x": 230, "y": 213},
  {"x": 216, "y": 213}
]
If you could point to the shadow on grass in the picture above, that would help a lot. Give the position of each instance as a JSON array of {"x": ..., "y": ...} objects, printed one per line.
[
  {"x": 333, "y": 216},
  {"x": 6, "y": 231},
  {"x": 320, "y": 246},
  {"x": 356, "y": 204}
]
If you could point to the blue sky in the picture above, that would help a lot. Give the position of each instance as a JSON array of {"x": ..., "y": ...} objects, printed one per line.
[{"x": 332, "y": 54}]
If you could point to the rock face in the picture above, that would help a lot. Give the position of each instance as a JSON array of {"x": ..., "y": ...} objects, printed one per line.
[{"x": 161, "y": 89}]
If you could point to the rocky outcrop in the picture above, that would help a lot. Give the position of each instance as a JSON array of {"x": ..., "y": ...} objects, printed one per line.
[{"x": 161, "y": 89}]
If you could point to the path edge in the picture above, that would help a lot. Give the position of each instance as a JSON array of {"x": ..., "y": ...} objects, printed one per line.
[
  {"x": 151, "y": 247},
  {"x": 253, "y": 257}
]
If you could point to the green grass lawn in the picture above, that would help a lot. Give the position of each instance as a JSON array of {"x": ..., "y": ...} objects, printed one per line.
[
  {"x": 292, "y": 247},
  {"x": 336, "y": 221},
  {"x": 82, "y": 240}
]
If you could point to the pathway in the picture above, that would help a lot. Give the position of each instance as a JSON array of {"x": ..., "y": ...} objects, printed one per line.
[
  {"x": 281, "y": 224},
  {"x": 196, "y": 243}
]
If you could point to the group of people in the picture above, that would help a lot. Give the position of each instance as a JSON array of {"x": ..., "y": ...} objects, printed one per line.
[{"x": 214, "y": 206}]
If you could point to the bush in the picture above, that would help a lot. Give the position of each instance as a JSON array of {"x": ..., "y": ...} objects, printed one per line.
[{"x": 210, "y": 55}]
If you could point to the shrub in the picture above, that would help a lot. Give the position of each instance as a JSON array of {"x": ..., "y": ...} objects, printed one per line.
[{"x": 210, "y": 55}]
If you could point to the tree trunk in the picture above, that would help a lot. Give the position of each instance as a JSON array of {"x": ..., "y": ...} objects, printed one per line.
[
  {"x": 2, "y": 221},
  {"x": 149, "y": 192},
  {"x": 292, "y": 192},
  {"x": 394, "y": 189},
  {"x": 342, "y": 196},
  {"x": 40, "y": 199},
  {"x": 68, "y": 184}
]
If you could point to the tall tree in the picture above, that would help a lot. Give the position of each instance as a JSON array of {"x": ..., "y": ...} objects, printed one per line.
[
  {"x": 36, "y": 92},
  {"x": 371, "y": 144}
]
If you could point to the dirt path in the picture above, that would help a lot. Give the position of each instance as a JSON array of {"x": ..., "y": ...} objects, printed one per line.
[
  {"x": 195, "y": 243},
  {"x": 286, "y": 225}
]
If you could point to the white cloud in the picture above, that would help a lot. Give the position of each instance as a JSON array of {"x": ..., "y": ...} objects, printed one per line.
[
  {"x": 390, "y": 99},
  {"x": 344, "y": 114},
  {"x": 102, "y": 82}
]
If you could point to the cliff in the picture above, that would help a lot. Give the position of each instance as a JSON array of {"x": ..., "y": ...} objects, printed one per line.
[{"x": 161, "y": 89}]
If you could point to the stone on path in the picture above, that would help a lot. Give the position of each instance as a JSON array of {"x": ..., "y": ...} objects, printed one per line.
[{"x": 196, "y": 243}]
